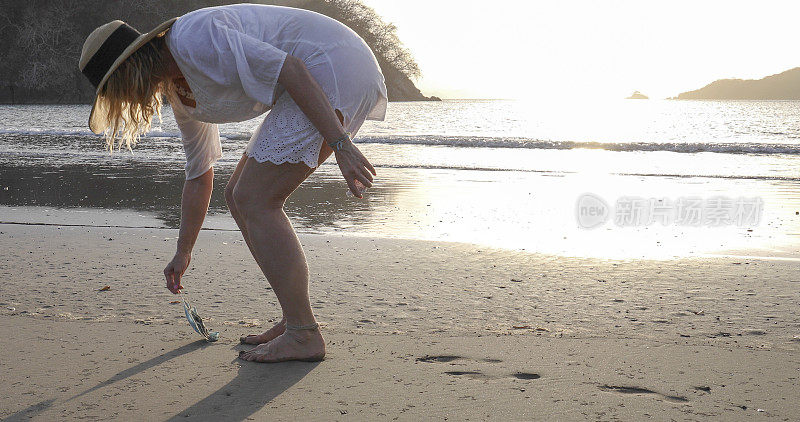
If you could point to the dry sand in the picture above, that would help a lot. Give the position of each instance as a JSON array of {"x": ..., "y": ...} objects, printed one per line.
[{"x": 415, "y": 330}]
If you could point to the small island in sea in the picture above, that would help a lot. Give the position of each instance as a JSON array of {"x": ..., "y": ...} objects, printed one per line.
[
  {"x": 782, "y": 86},
  {"x": 637, "y": 96}
]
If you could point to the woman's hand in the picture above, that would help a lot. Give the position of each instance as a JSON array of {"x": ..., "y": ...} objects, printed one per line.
[
  {"x": 315, "y": 104},
  {"x": 354, "y": 166},
  {"x": 174, "y": 271}
]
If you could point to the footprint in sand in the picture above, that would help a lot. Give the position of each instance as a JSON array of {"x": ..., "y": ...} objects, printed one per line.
[
  {"x": 481, "y": 375},
  {"x": 474, "y": 374},
  {"x": 640, "y": 390},
  {"x": 450, "y": 358},
  {"x": 440, "y": 358},
  {"x": 468, "y": 374},
  {"x": 525, "y": 375}
]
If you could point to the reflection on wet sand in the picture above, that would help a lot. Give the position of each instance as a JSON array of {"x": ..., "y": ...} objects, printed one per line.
[
  {"x": 149, "y": 187},
  {"x": 511, "y": 210}
]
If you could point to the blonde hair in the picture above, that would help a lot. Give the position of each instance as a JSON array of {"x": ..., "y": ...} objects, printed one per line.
[{"x": 132, "y": 95}]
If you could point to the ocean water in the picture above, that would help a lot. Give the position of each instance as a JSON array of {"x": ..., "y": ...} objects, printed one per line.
[{"x": 506, "y": 174}]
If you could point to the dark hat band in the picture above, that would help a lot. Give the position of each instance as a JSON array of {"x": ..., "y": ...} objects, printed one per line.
[{"x": 109, "y": 52}]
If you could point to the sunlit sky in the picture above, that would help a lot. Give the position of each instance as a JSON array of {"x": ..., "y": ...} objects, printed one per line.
[{"x": 600, "y": 49}]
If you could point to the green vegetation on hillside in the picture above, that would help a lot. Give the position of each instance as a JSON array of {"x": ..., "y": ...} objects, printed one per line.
[{"x": 43, "y": 38}]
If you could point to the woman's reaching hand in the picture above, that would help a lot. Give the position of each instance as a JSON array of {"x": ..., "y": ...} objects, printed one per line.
[
  {"x": 174, "y": 271},
  {"x": 354, "y": 166}
]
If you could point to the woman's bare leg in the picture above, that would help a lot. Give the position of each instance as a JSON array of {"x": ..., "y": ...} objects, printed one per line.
[
  {"x": 229, "y": 199},
  {"x": 279, "y": 327},
  {"x": 259, "y": 195}
]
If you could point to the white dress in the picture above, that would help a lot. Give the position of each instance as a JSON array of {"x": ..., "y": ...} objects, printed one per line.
[{"x": 231, "y": 57}]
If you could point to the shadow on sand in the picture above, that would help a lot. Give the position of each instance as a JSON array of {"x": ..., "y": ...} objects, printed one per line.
[
  {"x": 255, "y": 385},
  {"x": 33, "y": 410}
]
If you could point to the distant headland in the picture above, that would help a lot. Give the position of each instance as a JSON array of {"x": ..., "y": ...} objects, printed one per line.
[{"x": 783, "y": 86}]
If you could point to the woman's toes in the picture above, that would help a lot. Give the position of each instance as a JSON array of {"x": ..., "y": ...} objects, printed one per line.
[
  {"x": 252, "y": 354},
  {"x": 246, "y": 355}
]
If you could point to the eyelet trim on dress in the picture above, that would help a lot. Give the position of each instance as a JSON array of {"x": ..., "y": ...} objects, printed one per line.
[{"x": 287, "y": 136}]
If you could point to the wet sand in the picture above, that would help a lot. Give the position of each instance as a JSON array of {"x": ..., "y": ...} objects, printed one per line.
[
  {"x": 533, "y": 211},
  {"x": 415, "y": 329}
]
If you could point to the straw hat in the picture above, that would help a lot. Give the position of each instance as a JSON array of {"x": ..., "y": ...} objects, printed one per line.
[{"x": 105, "y": 49}]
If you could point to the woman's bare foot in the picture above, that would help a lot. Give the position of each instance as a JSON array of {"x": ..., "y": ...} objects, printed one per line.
[
  {"x": 266, "y": 336},
  {"x": 304, "y": 345}
]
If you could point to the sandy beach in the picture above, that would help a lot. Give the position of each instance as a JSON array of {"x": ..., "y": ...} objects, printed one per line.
[
  {"x": 415, "y": 329},
  {"x": 570, "y": 212}
]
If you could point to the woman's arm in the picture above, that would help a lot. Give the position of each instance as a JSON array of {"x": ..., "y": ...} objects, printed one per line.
[
  {"x": 194, "y": 205},
  {"x": 307, "y": 94}
]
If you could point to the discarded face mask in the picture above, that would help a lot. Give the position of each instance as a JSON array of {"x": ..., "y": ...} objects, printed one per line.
[{"x": 196, "y": 322}]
